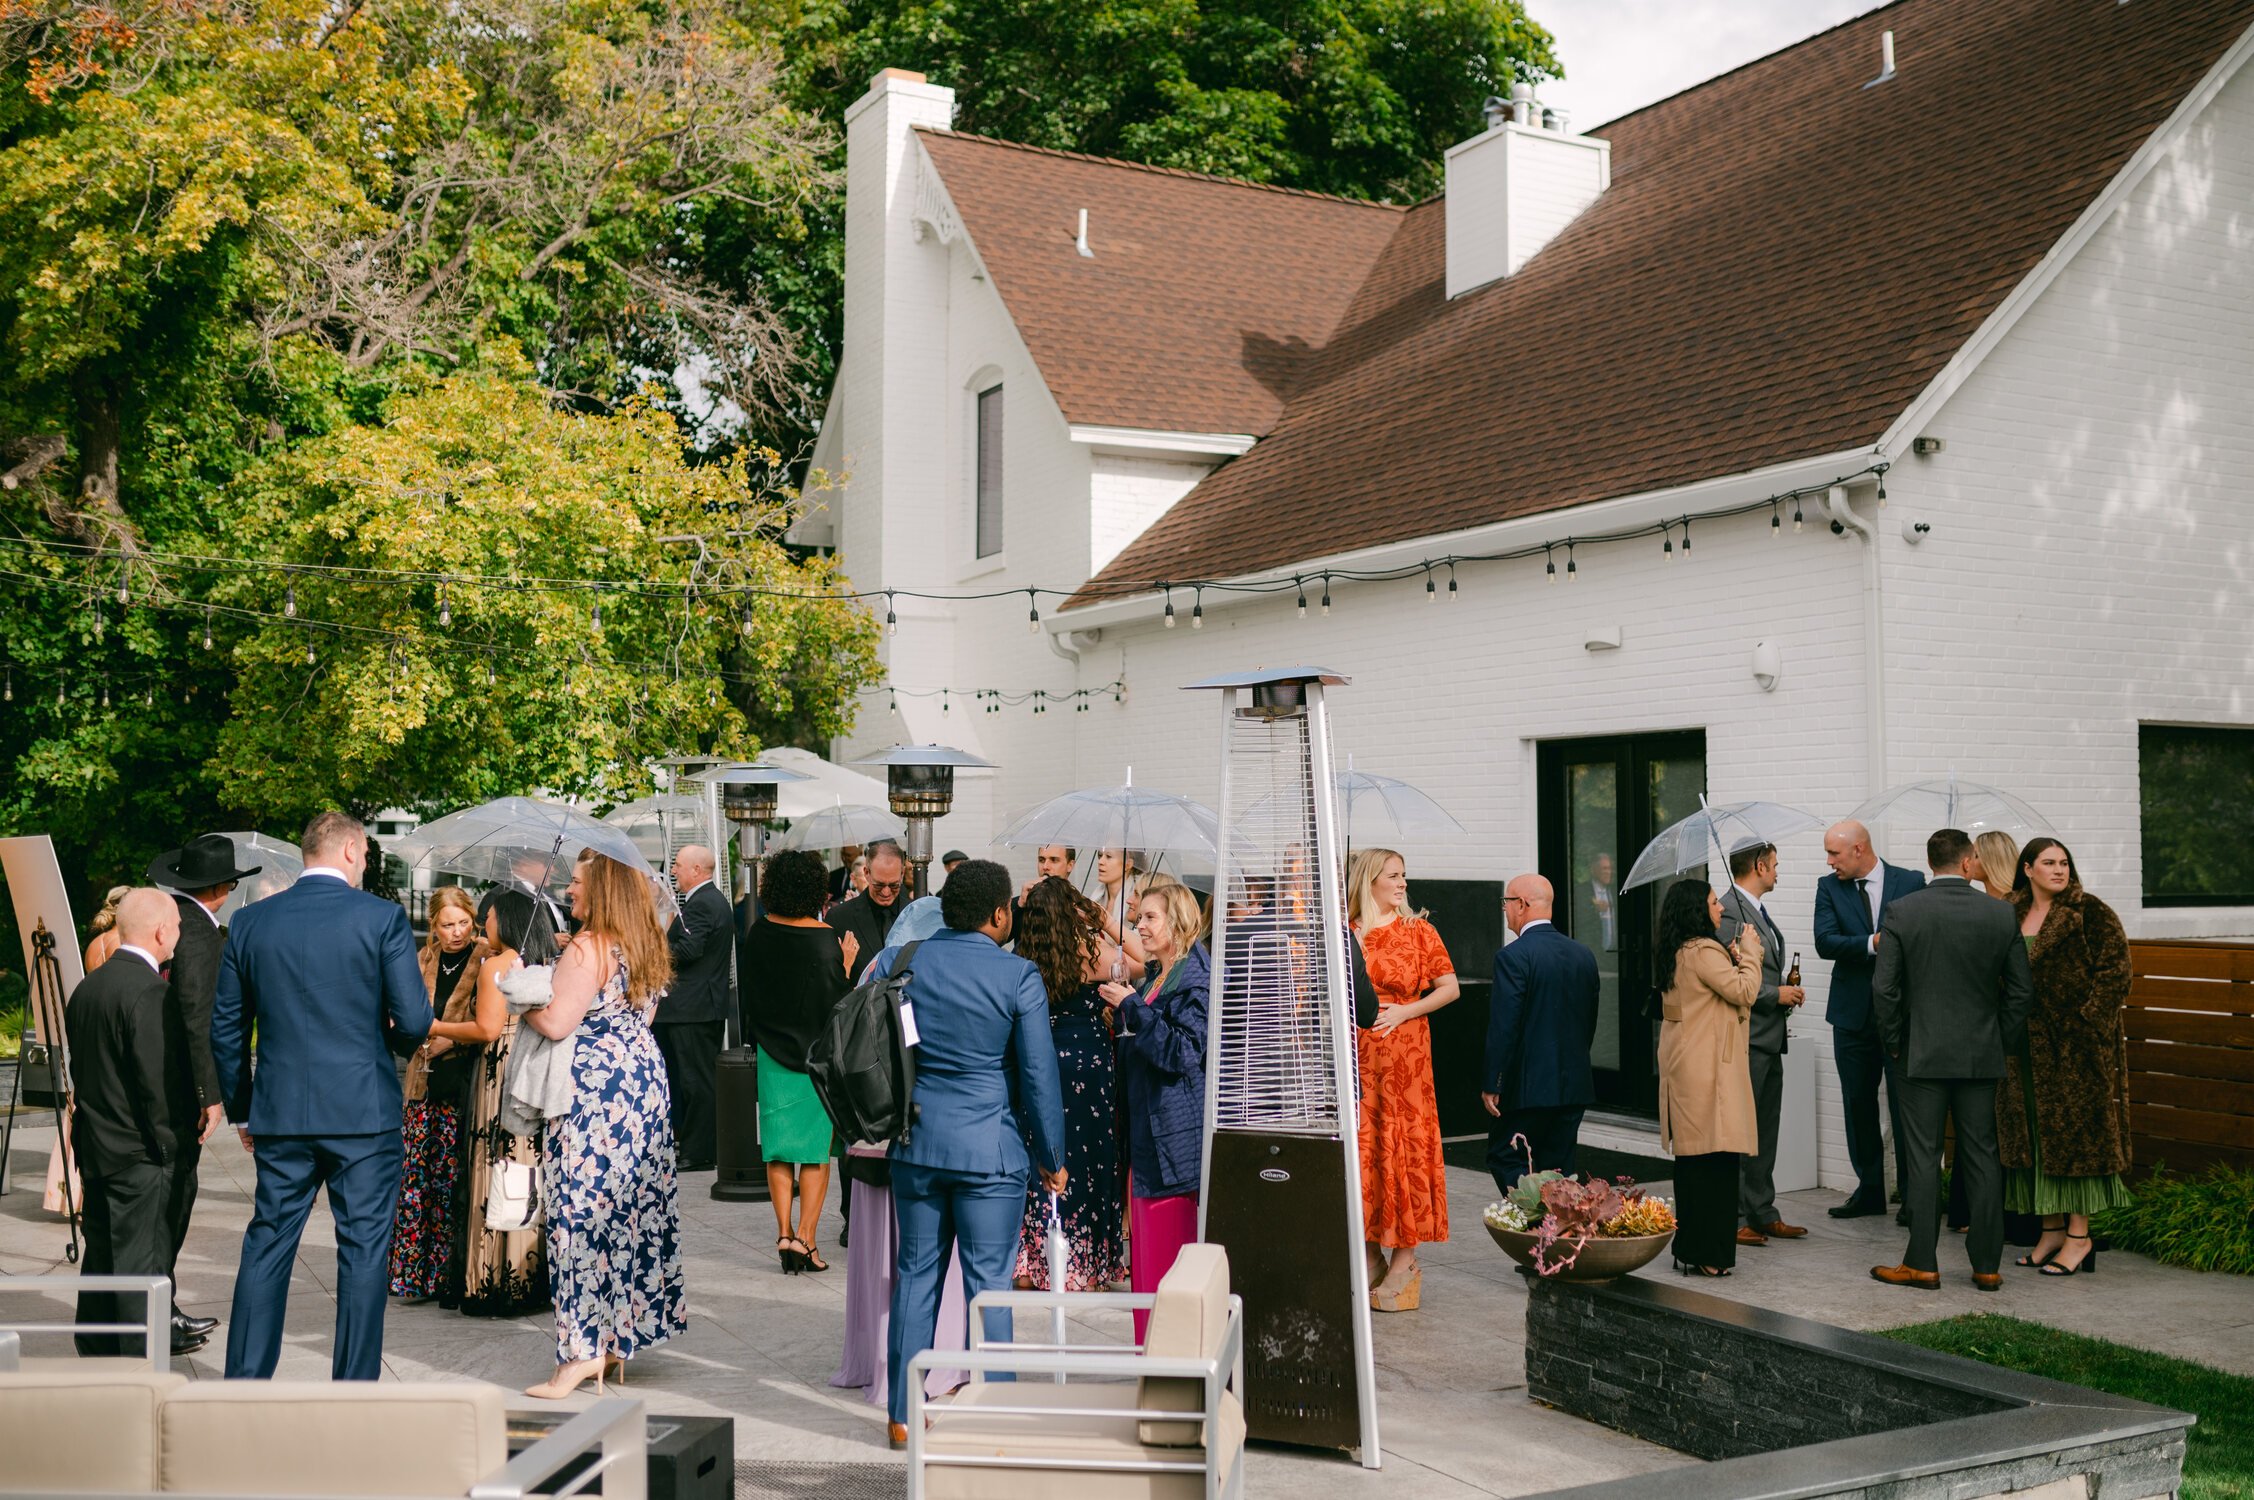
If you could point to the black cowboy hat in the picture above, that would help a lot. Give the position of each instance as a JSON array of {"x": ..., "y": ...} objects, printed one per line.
[{"x": 199, "y": 864}]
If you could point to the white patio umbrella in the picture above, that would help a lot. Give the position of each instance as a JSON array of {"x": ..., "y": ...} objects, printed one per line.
[
  {"x": 279, "y": 864},
  {"x": 826, "y": 785},
  {"x": 1712, "y": 834},
  {"x": 660, "y": 824},
  {"x": 1919, "y": 807},
  {"x": 838, "y": 825}
]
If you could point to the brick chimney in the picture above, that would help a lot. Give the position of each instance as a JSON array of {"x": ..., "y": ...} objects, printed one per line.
[{"x": 1514, "y": 186}]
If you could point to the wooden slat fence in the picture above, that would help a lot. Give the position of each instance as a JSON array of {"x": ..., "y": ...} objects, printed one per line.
[{"x": 2191, "y": 1054}]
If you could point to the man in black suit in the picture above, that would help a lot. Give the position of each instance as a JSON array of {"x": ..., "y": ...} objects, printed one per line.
[
  {"x": 1851, "y": 905},
  {"x": 1951, "y": 993},
  {"x": 692, "y": 1019},
  {"x": 198, "y": 876},
  {"x": 1540, "y": 1024},
  {"x": 1753, "y": 874},
  {"x": 870, "y": 915},
  {"x": 120, "y": 1133}
]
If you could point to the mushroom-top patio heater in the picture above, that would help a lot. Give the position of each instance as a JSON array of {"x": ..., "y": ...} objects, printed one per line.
[
  {"x": 749, "y": 793},
  {"x": 1283, "y": 1184},
  {"x": 920, "y": 785}
]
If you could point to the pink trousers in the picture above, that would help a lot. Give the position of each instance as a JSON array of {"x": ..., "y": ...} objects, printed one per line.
[{"x": 1157, "y": 1229}]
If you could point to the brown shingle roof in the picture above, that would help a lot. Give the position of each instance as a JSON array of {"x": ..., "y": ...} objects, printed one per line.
[
  {"x": 1783, "y": 261},
  {"x": 1202, "y": 301}
]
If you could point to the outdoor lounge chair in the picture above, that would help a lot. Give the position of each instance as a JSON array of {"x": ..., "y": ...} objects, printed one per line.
[
  {"x": 110, "y": 1427},
  {"x": 1163, "y": 1422}
]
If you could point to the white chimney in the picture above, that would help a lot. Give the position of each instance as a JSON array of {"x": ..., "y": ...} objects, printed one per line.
[{"x": 1512, "y": 188}]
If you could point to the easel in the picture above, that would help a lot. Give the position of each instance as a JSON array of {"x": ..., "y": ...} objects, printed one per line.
[{"x": 47, "y": 1017}]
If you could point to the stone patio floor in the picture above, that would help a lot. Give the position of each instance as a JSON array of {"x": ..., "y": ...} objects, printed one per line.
[{"x": 1455, "y": 1419}]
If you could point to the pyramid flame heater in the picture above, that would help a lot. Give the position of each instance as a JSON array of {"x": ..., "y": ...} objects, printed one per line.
[{"x": 1283, "y": 1183}]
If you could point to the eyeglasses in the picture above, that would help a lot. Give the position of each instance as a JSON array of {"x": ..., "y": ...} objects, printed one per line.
[
  {"x": 886, "y": 885},
  {"x": 1521, "y": 900}
]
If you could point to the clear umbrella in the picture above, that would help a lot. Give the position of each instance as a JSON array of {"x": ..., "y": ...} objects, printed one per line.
[
  {"x": 522, "y": 839},
  {"x": 1920, "y": 807},
  {"x": 1386, "y": 807},
  {"x": 279, "y": 864},
  {"x": 1119, "y": 817},
  {"x": 658, "y": 825},
  {"x": 836, "y": 826},
  {"x": 1712, "y": 834}
]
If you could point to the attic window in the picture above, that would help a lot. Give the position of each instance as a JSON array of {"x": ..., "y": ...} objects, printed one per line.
[{"x": 989, "y": 475}]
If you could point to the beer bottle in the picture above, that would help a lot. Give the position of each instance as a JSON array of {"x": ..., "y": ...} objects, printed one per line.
[{"x": 1793, "y": 978}]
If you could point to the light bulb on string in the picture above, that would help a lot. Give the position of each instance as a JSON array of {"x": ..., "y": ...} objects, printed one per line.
[
  {"x": 289, "y": 601},
  {"x": 1197, "y": 611},
  {"x": 892, "y": 703},
  {"x": 105, "y": 691},
  {"x": 1776, "y": 521},
  {"x": 1169, "y": 609},
  {"x": 8, "y": 693},
  {"x": 310, "y": 657},
  {"x": 1326, "y": 596},
  {"x": 207, "y": 629},
  {"x": 1796, "y": 513},
  {"x": 58, "y": 692},
  {"x": 1452, "y": 594},
  {"x": 1686, "y": 536},
  {"x": 891, "y": 620},
  {"x": 1882, "y": 486},
  {"x": 489, "y": 671},
  {"x": 1572, "y": 569},
  {"x": 1667, "y": 552},
  {"x": 1032, "y": 613},
  {"x": 595, "y": 617},
  {"x": 1549, "y": 562},
  {"x": 98, "y": 625},
  {"x": 125, "y": 584},
  {"x": 946, "y": 701},
  {"x": 149, "y": 698},
  {"x": 1431, "y": 590},
  {"x": 445, "y": 608},
  {"x": 1302, "y": 585}
]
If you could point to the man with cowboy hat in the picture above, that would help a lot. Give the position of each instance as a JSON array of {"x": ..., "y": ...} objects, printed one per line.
[{"x": 198, "y": 876}]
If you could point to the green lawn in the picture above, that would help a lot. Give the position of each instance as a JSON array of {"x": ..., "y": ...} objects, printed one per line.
[{"x": 2219, "y": 1456}]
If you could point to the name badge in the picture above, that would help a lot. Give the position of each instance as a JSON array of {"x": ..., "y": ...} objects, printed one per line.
[{"x": 908, "y": 1035}]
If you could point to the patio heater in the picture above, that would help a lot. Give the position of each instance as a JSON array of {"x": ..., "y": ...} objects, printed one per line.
[
  {"x": 1283, "y": 1182},
  {"x": 920, "y": 783},
  {"x": 685, "y": 782},
  {"x": 747, "y": 795}
]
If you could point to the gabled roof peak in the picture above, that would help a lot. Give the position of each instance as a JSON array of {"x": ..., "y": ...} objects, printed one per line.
[{"x": 1137, "y": 166}]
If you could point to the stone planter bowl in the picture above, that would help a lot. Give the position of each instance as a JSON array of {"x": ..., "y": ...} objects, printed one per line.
[{"x": 1599, "y": 1260}]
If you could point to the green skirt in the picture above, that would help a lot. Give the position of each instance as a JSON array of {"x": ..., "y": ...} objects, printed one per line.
[
  {"x": 2031, "y": 1190},
  {"x": 793, "y": 1126}
]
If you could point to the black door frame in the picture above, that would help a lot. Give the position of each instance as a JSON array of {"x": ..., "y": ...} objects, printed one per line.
[{"x": 1634, "y": 1087}]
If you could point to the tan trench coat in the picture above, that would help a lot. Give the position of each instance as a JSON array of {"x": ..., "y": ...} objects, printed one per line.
[{"x": 1705, "y": 1088}]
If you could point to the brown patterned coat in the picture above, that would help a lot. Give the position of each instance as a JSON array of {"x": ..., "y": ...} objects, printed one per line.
[{"x": 2077, "y": 1042}]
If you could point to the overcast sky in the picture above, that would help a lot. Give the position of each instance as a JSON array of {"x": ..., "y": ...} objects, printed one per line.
[{"x": 1623, "y": 54}]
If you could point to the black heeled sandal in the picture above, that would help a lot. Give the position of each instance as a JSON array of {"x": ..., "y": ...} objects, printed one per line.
[
  {"x": 787, "y": 1251},
  {"x": 810, "y": 1259},
  {"x": 1692, "y": 1268},
  {"x": 2029, "y": 1258},
  {"x": 2087, "y": 1263}
]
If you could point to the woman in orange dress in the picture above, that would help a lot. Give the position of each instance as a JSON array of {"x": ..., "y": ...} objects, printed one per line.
[{"x": 1404, "y": 1184}]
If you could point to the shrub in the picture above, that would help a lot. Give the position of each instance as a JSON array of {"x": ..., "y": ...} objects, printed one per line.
[{"x": 2206, "y": 1222}]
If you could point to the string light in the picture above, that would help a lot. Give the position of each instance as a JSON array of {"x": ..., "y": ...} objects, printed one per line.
[
  {"x": 892, "y": 704},
  {"x": 1549, "y": 562},
  {"x": 1572, "y": 570},
  {"x": 747, "y": 622},
  {"x": 207, "y": 627},
  {"x": 310, "y": 658},
  {"x": 1776, "y": 522},
  {"x": 8, "y": 693},
  {"x": 1197, "y": 611},
  {"x": 1686, "y": 536},
  {"x": 489, "y": 671},
  {"x": 58, "y": 692},
  {"x": 445, "y": 609},
  {"x": 1169, "y": 609},
  {"x": 1882, "y": 486},
  {"x": 891, "y": 620},
  {"x": 1796, "y": 512},
  {"x": 98, "y": 625},
  {"x": 1452, "y": 595},
  {"x": 1032, "y": 613},
  {"x": 105, "y": 690},
  {"x": 125, "y": 584},
  {"x": 289, "y": 602},
  {"x": 1667, "y": 552},
  {"x": 1326, "y": 596},
  {"x": 595, "y": 617},
  {"x": 1301, "y": 583},
  {"x": 1431, "y": 590}
]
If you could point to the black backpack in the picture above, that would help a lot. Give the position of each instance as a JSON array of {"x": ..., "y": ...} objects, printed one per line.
[{"x": 861, "y": 1065}]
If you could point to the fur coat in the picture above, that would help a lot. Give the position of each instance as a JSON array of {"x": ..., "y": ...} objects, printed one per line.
[{"x": 2077, "y": 1042}]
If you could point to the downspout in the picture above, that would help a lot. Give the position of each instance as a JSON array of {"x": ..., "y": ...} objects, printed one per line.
[{"x": 1844, "y": 520}]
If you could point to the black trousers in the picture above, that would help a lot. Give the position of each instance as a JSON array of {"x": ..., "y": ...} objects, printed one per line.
[
  {"x": 1926, "y": 1104},
  {"x": 1862, "y": 1062},
  {"x": 691, "y": 1050},
  {"x": 1706, "y": 1208},
  {"x": 1757, "y": 1174},
  {"x": 1552, "y": 1138},
  {"x": 127, "y": 1234},
  {"x": 180, "y": 1196}
]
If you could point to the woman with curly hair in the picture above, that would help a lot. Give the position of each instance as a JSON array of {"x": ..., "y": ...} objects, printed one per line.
[
  {"x": 794, "y": 971},
  {"x": 1062, "y": 932}
]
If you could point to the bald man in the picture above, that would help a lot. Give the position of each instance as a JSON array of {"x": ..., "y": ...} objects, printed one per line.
[
  {"x": 121, "y": 1130},
  {"x": 1540, "y": 1024},
  {"x": 1851, "y": 902},
  {"x": 692, "y": 1019}
]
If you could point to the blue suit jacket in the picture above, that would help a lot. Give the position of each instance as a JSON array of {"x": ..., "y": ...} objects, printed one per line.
[
  {"x": 981, "y": 1015},
  {"x": 320, "y": 970},
  {"x": 1541, "y": 1021},
  {"x": 1843, "y": 934}
]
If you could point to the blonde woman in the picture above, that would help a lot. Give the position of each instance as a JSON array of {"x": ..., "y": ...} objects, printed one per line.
[
  {"x": 497, "y": 1273},
  {"x": 1404, "y": 1182},
  {"x": 1999, "y": 862},
  {"x": 104, "y": 929},
  {"x": 422, "y": 1227},
  {"x": 607, "y": 1178},
  {"x": 1120, "y": 874}
]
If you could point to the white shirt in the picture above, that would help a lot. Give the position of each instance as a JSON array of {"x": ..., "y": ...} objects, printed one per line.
[
  {"x": 692, "y": 890},
  {"x": 142, "y": 954},
  {"x": 1531, "y": 924},
  {"x": 1874, "y": 892},
  {"x": 330, "y": 871},
  {"x": 209, "y": 915}
]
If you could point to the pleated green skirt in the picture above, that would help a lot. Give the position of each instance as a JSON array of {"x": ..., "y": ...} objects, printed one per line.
[
  {"x": 2031, "y": 1190},
  {"x": 793, "y": 1126}
]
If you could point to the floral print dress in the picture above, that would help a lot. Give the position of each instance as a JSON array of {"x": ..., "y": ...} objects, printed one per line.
[
  {"x": 608, "y": 1184},
  {"x": 1091, "y": 1209},
  {"x": 1404, "y": 1182}
]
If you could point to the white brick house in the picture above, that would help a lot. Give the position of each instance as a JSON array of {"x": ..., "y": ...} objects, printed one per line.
[{"x": 1774, "y": 279}]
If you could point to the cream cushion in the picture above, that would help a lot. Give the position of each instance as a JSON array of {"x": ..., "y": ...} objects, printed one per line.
[
  {"x": 1188, "y": 1320},
  {"x": 960, "y": 1428},
  {"x": 240, "y": 1437},
  {"x": 75, "y": 1431}
]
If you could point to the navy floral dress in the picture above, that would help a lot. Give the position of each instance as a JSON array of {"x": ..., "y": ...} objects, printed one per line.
[
  {"x": 607, "y": 1181},
  {"x": 1094, "y": 1201}
]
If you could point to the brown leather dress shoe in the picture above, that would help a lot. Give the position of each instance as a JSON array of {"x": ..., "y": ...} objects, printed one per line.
[
  {"x": 1988, "y": 1281},
  {"x": 1924, "y": 1281},
  {"x": 1780, "y": 1230},
  {"x": 896, "y": 1435},
  {"x": 1748, "y": 1235}
]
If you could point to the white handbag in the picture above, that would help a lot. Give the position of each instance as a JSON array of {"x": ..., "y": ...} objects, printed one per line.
[{"x": 512, "y": 1197}]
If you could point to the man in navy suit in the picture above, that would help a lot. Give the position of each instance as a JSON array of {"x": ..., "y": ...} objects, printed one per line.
[
  {"x": 1540, "y": 1024},
  {"x": 328, "y": 976},
  {"x": 984, "y": 1051},
  {"x": 1851, "y": 904}
]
